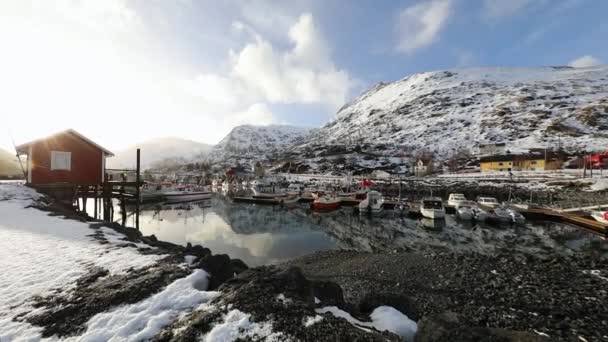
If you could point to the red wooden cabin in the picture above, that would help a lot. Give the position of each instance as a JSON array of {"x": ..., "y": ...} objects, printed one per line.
[{"x": 64, "y": 157}]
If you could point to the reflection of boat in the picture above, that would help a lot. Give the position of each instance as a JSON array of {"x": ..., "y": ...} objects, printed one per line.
[
  {"x": 372, "y": 204},
  {"x": 185, "y": 196},
  {"x": 326, "y": 202},
  {"x": 469, "y": 210},
  {"x": 432, "y": 208},
  {"x": 432, "y": 224},
  {"x": 600, "y": 216}
]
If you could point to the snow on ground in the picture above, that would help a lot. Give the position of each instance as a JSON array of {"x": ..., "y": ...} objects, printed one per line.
[
  {"x": 39, "y": 253},
  {"x": 238, "y": 324},
  {"x": 310, "y": 320},
  {"x": 383, "y": 318},
  {"x": 142, "y": 321}
]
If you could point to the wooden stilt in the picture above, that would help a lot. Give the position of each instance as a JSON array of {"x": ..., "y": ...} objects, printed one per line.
[{"x": 137, "y": 187}]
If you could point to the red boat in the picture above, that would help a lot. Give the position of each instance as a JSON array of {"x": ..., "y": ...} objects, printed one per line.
[{"x": 326, "y": 203}]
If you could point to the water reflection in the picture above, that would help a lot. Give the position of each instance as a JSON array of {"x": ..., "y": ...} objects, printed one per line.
[{"x": 260, "y": 234}]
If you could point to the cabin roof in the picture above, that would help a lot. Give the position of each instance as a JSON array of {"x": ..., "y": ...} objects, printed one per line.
[{"x": 22, "y": 149}]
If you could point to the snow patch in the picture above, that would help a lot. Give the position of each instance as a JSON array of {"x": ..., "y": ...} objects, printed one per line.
[
  {"x": 237, "y": 325},
  {"x": 283, "y": 300},
  {"x": 141, "y": 321},
  {"x": 310, "y": 320},
  {"x": 383, "y": 318}
]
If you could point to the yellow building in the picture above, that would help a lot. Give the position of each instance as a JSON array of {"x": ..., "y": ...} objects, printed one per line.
[{"x": 520, "y": 162}]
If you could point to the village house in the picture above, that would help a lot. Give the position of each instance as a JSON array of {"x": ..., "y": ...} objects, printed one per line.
[
  {"x": 64, "y": 157},
  {"x": 423, "y": 167},
  {"x": 521, "y": 162}
]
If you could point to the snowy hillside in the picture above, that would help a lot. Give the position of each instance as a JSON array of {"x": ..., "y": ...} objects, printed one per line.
[
  {"x": 255, "y": 142},
  {"x": 444, "y": 111},
  {"x": 160, "y": 151}
]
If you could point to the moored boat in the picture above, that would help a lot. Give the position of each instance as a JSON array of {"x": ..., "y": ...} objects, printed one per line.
[
  {"x": 432, "y": 208},
  {"x": 600, "y": 216},
  {"x": 469, "y": 210},
  {"x": 372, "y": 204},
  {"x": 455, "y": 199},
  {"x": 489, "y": 202},
  {"x": 326, "y": 202}
]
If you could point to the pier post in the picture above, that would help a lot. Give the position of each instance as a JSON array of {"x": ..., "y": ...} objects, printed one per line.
[
  {"x": 95, "y": 199},
  {"x": 137, "y": 187}
]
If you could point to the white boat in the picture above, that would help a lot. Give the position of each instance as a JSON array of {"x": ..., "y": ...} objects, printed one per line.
[
  {"x": 489, "y": 202},
  {"x": 600, "y": 216},
  {"x": 469, "y": 210},
  {"x": 504, "y": 214},
  {"x": 455, "y": 199},
  {"x": 372, "y": 204},
  {"x": 432, "y": 208}
]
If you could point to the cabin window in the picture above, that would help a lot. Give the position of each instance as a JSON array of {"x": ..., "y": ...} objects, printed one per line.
[{"x": 61, "y": 160}]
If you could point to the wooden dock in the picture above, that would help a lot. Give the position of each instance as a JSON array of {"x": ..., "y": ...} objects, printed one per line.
[{"x": 584, "y": 222}]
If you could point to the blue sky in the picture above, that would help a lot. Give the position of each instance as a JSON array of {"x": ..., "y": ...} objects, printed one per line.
[{"x": 197, "y": 68}]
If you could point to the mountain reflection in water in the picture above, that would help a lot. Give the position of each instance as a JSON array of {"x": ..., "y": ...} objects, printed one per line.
[{"x": 260, "y": 234}]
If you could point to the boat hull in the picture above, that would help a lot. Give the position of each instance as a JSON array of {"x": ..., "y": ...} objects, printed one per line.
[
  {"x": 325, "y": 206},
  {"x": 186, "y": 197}
]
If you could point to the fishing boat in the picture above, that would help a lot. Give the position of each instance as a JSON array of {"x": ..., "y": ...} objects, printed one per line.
[
  {"x": 455, "y": 199},
  {"x": 600, "y": 216},
  {"x": 326, "y": 202},
  {"x": 432, "y": 208},
  {"x": 372, "y": 204},
  {"x": 469, "y": 210}
]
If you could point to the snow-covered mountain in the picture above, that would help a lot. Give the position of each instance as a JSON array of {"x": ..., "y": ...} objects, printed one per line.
[
  {"x": 9, "y": 166},
  {"x": 444, "y": 111},
  {"x": 159, "y": 152},
  {"x": 255, "y": 142}
]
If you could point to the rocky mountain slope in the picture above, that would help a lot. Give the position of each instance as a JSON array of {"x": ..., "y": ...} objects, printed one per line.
[
  {"x": 258, "y": 142},
  {"x": 160, "y": 151},
  {"x": 445, "y": 111},
  {"x": 9, "y": 166}
]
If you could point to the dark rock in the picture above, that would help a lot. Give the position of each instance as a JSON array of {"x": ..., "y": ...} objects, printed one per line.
[
  {"x": 199, "y": 251},
  {"x": 329, "y": 293},
  {"x": 219, "y": 269},
  {"x": 238, "y": 265}
]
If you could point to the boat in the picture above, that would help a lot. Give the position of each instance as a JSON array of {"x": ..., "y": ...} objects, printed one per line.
[
  {"x": 326, "y": 202},
  {"x": 185, "y": 193},
  {"x": 432, "y": 208},
  {"x": 372, "y": 204},
  {"x": 295, "y": 189},
  {"x": 469, "y": 210},
  {"x": 455, "y": 199},
  {"x": 489, "y": 202},
  {"x": 505, "y": 214},
  {"x": 289, "y": 199},
  {"x": 600, "y": 216}
]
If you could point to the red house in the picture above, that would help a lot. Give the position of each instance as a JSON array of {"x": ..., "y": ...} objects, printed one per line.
[{"x": 64, "y": 157}]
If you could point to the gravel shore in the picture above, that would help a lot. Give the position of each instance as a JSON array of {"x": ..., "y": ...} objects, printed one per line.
[{"x": 562, "y": 298}]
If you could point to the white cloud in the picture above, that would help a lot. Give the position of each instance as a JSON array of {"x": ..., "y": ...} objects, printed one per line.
[
  {"x": 419, "y": 25},
  {"x": 585, "y": 61},
  {"x": 493, "y": 9}
]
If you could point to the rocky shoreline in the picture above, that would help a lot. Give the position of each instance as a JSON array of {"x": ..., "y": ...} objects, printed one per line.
[{"x": 452, "y": 296}]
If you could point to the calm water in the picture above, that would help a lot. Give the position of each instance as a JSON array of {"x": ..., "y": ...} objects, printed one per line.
[{"x": 260, "y": 234}]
